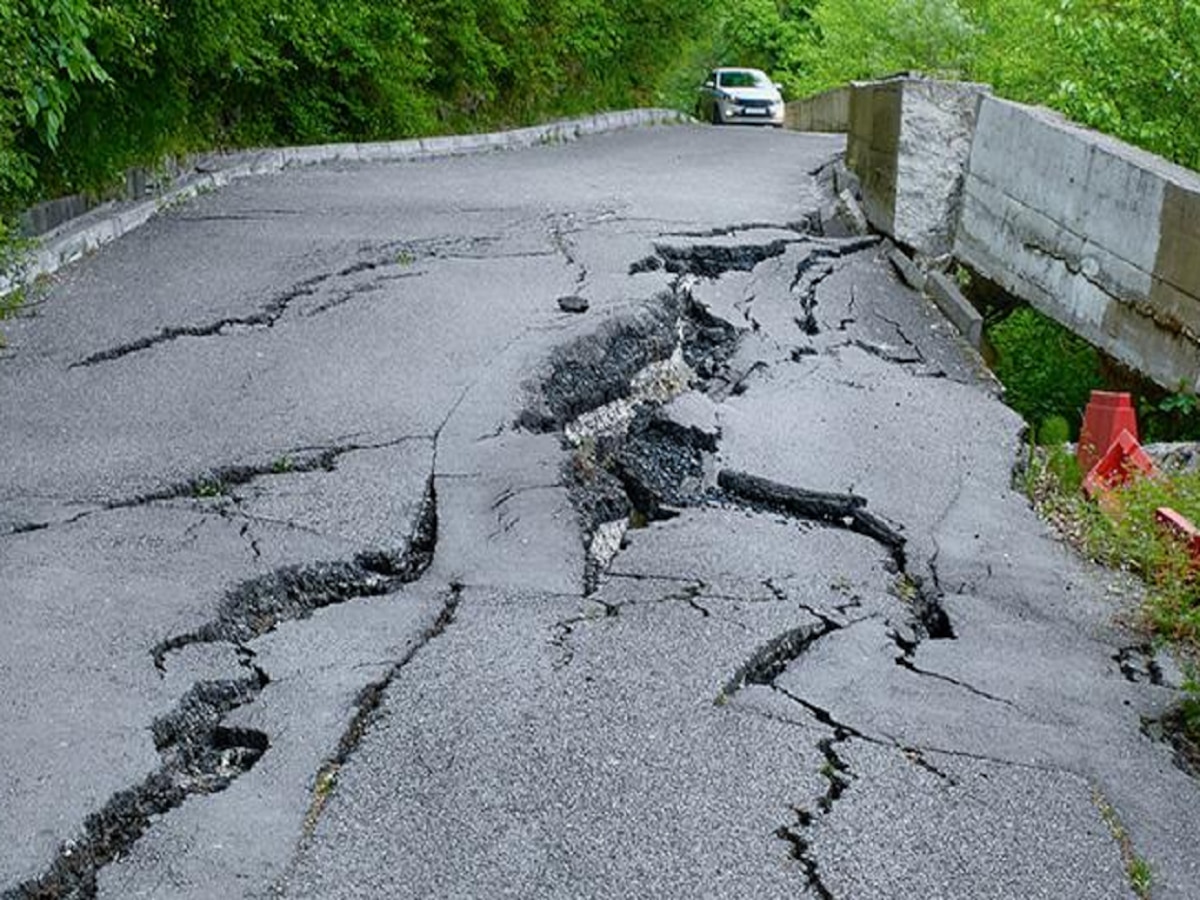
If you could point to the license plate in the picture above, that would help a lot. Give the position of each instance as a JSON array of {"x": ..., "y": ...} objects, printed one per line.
[{"x": 753, "y": 112}]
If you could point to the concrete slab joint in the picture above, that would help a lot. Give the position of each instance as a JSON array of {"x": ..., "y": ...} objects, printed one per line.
[{"x": 949, "y": 299}]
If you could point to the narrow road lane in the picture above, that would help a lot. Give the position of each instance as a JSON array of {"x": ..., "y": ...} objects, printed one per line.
[{"x": 340, "y": 561}]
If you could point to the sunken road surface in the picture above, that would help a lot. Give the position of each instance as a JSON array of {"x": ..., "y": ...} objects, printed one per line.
[{"x": 341, "y": 561}]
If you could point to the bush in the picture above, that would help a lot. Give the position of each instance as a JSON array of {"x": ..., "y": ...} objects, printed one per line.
[
  {"x": 1047, "y": 372},
  {"x": 90, "y": 89}
]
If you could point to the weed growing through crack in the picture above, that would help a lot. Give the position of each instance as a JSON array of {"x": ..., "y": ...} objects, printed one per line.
[
  {"x": 208, "y": 488},
  {"x": 1136, "y": 868},
  {"x": 323, "y": 789},
  {"x": 906, "y": 589},
  {"x": 282, "y": 465}
]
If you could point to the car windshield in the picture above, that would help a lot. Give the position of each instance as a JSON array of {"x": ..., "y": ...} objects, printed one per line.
[{"x": 742, "y": 79}]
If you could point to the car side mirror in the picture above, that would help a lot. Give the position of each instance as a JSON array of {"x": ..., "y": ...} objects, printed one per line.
[
  {"x": 779, "y": 87},
  {"x": 709, "y": 83}
]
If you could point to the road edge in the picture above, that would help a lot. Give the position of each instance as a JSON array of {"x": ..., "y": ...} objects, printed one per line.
[{"x": 79, "y": 237}]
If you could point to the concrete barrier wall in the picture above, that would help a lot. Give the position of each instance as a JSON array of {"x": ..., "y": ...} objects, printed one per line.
[
  {"x": 826, "y": 112},
  {"x": 873, "y": 149},
  {"x": 909, "y": 142},
  {"x": 1099, "y": 235}
]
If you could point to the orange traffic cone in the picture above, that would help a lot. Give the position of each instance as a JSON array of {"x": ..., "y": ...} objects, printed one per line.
[
  {"x": 1181, "y": 527},
  {"x": 1108, "y": 414},
  {"x": 1124, "y": 458}
]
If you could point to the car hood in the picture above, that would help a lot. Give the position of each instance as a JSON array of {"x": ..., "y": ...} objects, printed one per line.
[{"x": 751, "y": 93}]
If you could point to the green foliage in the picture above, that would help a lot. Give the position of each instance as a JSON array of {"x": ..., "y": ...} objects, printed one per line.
[
  {"x": 92, "y": 87},
  {"x": 1131, "y": 537},
  {"x": 1135, "y": 71},
  {"x": 1127, "y": 67},
  {"x": 1053, "y": 431},
  {"x": 866, "y": 38},
  {"x": 1046, "y": 370},
  {"x": 1124, "y": 533},
  {"x": 1175, "y": 417},
  {"x": 1190, "y": 708},
  {"x": 773, "y": 35}
]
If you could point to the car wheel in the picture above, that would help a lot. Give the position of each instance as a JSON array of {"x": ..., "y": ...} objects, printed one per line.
[{"x": 716, "y": 115}]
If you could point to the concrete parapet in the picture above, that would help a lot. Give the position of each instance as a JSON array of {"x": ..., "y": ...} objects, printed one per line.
[
  {"x": 828, "y": 111},
  {"x": 909, "y": 142},
  {"x": 1099, "y": 235}
]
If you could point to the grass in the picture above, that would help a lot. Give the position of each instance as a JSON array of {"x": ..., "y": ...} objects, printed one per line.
[
  {"x": 1125, "y": 536},
  {"x": 1136, "y": 868},
  {"x": 10, "y": 306},
  {"x": 207, "y": 489},
  {"x": 13, "y": 257}
]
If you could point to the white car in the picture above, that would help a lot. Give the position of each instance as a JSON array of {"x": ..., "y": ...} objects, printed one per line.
[{"x": 740, "y": 95}]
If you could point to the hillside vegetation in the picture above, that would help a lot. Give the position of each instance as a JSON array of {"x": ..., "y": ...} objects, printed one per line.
[{"x": 91, "y": 87}]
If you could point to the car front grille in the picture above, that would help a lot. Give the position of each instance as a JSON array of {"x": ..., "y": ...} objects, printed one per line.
[{"x": 754, "y": 104}]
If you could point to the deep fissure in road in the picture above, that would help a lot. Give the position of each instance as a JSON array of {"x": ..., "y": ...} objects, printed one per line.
[
  {"x": 257, "y": 606},
  {"x": 632, "y": 465},
  {"x": 200, "y": 754},
  {"x": 335, "y": 287}
]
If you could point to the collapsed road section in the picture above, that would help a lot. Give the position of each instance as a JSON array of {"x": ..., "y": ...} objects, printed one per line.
[{"x": 423, "y": 586}]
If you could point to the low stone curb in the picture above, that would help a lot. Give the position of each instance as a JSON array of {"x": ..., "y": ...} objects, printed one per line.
[{"x": 105, "y": 224}]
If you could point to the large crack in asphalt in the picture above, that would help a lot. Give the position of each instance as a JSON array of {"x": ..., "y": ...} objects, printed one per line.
[
  {"x": 816, "y": 268},
  {"x": 648, "y": 467},
  {"x": 258, "y": 605},
  {"x": 220, "y": 481},
  {"x": 367, "y": 706},
  {"x": 632, "y": 466},
  {"x": 847, "y": 511},
  {"x": 199, "y": 756},
  {"x": 628, "y": 466},
  {"x": 380, "y": 262}
]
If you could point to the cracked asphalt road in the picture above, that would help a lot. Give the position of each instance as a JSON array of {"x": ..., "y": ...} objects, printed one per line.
[{"x": 320, "y": 580}]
